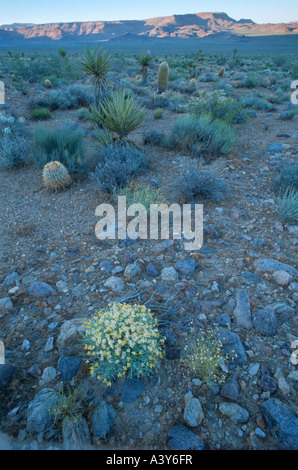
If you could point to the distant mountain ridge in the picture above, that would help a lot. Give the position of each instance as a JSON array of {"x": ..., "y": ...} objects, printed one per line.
[{"x": 196, "y": 25}]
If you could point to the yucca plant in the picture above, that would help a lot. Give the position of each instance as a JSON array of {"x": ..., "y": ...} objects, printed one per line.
[
  {"x": 288, "y": 205},
  {"x": 96, "y": 64},
  {"x": 144, "y": 60},
  {"x": 118, "y": 116}
]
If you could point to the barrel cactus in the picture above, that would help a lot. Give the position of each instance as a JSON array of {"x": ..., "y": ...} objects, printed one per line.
[
  {"x": 221, "y": 72},
  {"x": 163, "y": 77},
  {"x": 47, "y": 83},
  {"x": 193, "y": 83},
  {"x": 56, "y": 176}
]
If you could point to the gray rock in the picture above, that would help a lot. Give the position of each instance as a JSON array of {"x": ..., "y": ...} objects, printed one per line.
[
  {"x": 274, "y": 148},
  {"x": 115, "y": 284},
  {"x": 236, "y": 413},
  {"x": 270, "y": 265},
  {"x": 70, "y": 336},
  {"x": 186, "y": 266},
  {"x": 68, "y": 366},
  {"x": 251, "y": 277},
  {"x": 103, "y": 421},
  {"x": 160, "y": 247},
  {"x": 6, "y": 306},
  {"x": 232, "y": 346},
  {"x": 76, "y": 434},
  {"x": 49, "y": 374},
  {"x": 266, "y": 382},
  {"x": 182, "y": 438},
  {"x": 193, "y": 413},
  {"x": 169, "y": 274},
  {"x": 132, "y": 389},
  {"x": 230, "y": 389},
  {"x": 222, "y": 319},
  {"x": 282, "y": 278},
  {"x": 131, "y": 271},
  {"x": 282, "y": 423},
  {"x": 39, "y": 417},
  {"x": 265, "y": 322},
  {"x": 106, "y": 266},
  {"x": 242, "y": 311},
  {"x": 41, "y": 290},
  {"x": 10, "y": 280},
  {"x": 151, "y": 270}
]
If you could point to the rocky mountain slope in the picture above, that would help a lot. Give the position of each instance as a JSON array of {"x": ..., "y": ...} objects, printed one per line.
[{"x": 176, "y": 26}]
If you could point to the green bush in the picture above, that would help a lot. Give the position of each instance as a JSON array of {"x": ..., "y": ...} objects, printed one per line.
[
  {"x": 201, "y": 135},
  {"x": 288, "y": 205},
  {"x": 217, "y": 106},
  {"x": 65, "y": 145},
  {"x": 40, "y": 114}
]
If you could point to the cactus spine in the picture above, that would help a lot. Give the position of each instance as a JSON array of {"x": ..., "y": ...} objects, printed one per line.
[
  {"x": 56, "y": 176},
  {"x": 163, "y": 77}
]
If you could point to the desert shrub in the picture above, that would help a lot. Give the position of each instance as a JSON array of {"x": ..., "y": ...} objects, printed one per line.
[
  {"x": 139, "y": 194},
  {"x": 65, "y": 145},
  {"x": 122, "y": 340},
  {"x": 68, "y": 404},
  {"x": 254, "y": 102},
  {"x": 201, "y": 135},
  {"x": 200, "y": 182},
  {"x": 116, "y": 166},
  {"x": 287, "y": 204},
  {"x": 218, "y": 106},
  {"x": 40, "y": 114},
  {"x": 254, "y": 80},
  {"x": 287, "y": 177},
  {"x": 14, "y": 142},
  {"x": 66, "y": 97},
  {"x": 158, "y": 113},
  {"x": 205, "y": 357},
  {"x": 153, "y": 137}
]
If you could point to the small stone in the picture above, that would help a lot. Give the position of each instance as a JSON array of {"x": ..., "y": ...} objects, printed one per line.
[
  {"x": 160, "y": 247},
  {"x": 271, "y": 265},
  {"x": 236, "y": 413},
  {"x": 186, "y": 266},
  {"x": 49, "y": 344},
  {"x": 265, "y": 322},
  {"x": 103, "y": 421},
  {"x": 39, "y": 416},
  {"x": 151, "y": 270},
  {"x": 230, "y": 389},
  {"x": 41, "y": 290},
  {"x": 6, "y": 306},
  {"x": 76, "y": 434},
  {"x": 7, "y": 372},
  {"x": 182, "y": 438},
  {"x": 132, "y": 389},
  {"x": 169, "y": 274},
  {"x": 282, "y": 423},
  {"x": 242, "y": 311},
  {"x": 10, "y": 280},
  {"x": 282, "y": 278},
  {"x": 68, "y": 366},
  {"x": 193, "y": 413},
  {"x": 49, "y": 374},
  {"x": 115, "y": 284},
  {"x": 131, "y": 271}
]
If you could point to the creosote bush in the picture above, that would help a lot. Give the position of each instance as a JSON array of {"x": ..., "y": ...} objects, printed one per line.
[
  {"x": 117, "y": 165},
  {"x": 200, "y": 182},
  {"x": 122, "y": 340}
]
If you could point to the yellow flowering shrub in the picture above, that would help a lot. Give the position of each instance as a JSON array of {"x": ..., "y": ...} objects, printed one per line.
[{"x": 122, "y": 340}]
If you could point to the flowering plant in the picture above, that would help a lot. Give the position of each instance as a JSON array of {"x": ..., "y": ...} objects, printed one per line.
[{"x": 122, "y": 340}]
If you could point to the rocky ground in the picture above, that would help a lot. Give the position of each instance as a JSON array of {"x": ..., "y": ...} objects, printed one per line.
[{"x": 243, "y": 283}]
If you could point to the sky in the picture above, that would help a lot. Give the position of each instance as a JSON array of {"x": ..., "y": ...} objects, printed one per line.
[{"x": 52, "y": 11}]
